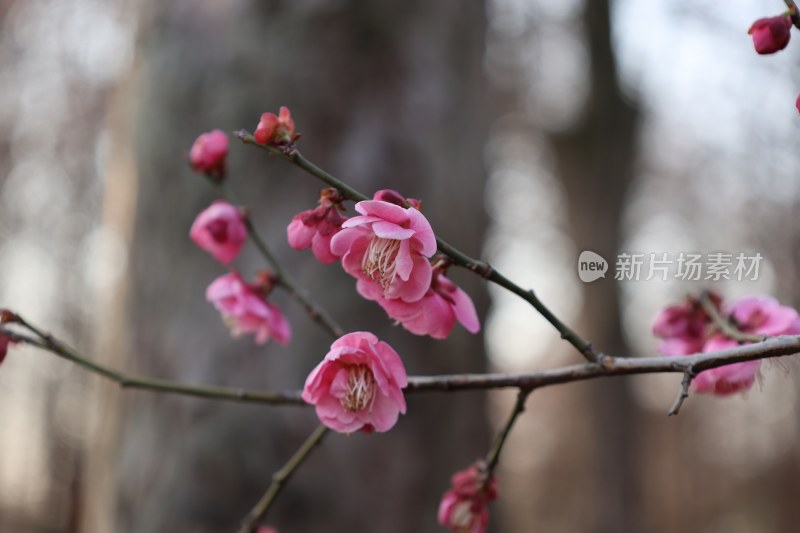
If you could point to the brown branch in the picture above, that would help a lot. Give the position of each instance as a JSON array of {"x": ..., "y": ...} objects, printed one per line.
[
  {"x": 688, "y": 376},
  {"x": 459, "y": 258}
]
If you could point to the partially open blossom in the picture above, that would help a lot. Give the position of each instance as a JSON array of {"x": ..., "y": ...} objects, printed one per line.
[
  {"x": 761, "y": 315},
  {"x": 358, "y": 386},
  {"x": 684, "y": 328},
  {"x": 220, "y": 230},
  {"x": 434, "y": 314},
  {"x": 388, "y": 246},
  {"x": 316, "y": 227},
  {"x": 209, "y": 152},
  {"x": 245, "y": 309},
  {"x": 276, "y": 130},
  {"x": 464, "y": 508},
  {"x": 771, "y": 34}
]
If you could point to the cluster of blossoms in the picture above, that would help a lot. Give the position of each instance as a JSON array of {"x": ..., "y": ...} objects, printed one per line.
[
  {"x": 464, "y": 507},
  {"x": 687, "y": 329},
  {"x": 221, "y": 230},
  {"x": 389, "y": 249},
  {"x": 772, "y": 34}
]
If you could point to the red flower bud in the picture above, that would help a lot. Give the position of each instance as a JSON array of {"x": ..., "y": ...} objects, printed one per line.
[{"x": 771, "y": 34}]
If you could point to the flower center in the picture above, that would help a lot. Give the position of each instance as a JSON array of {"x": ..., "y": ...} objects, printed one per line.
[
  {"x": 218, "y": 229},
  {"x": 380, "y": 260},
  {"x": 462, "y": 516},
  {"x": 360, "y": 391}
]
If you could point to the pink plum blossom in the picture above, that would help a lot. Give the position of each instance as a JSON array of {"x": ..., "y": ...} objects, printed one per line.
[
  {"x": 387, "y": 246},
  {"x": 464, "y": 508},
  {"x": 683, "y": 328},
  {"x": 208, "y": 153},
  {"x": 276, "y": 130},
  {"x": 771, "y": 34},
  {"x": 358, "y": 386},
  {"x": 220, "y": 230},
  {"x": 761, "y": 315},
  {"x": 434, "y": 314},
  {"x": 245, "y": 309},
  {"x": 316, "y": 227},
  {"x": 726, "y": 379}
]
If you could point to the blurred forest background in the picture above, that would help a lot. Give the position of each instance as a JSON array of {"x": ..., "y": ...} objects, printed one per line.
[{"x": 531, "y": 129}]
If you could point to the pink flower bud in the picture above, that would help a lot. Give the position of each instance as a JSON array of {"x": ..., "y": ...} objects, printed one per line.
[
  {"x": 245, "y": 309},
  {"x": 209, "y": 152},
  {"x": 394, "y": 197},
  {"x": 464, "y": 508},
  {"x": 276, "y": 130},
  {"x": 316, "y": 227},
  {"x": 388, "y": 246},
  {"x": 220, "y": 230},
  {"x": 358, "y": 386},
  {"x": 771, "y": 34}
]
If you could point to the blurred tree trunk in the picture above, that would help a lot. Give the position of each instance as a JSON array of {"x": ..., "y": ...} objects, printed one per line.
[
  {"x": 388, "y": 94},
  {"x": 595, "y": 159}
]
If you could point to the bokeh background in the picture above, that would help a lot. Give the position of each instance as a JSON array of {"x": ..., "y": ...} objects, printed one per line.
[{"x": 532, "y": 130}]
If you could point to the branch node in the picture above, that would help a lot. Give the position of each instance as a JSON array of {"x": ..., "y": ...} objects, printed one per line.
[{"x": 688, "y": 376}]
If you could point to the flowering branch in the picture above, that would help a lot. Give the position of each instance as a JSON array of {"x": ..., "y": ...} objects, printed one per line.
[
  {"x": 459, "y": 258},
  {"x": 280, "y": 478},
  {"x": 317, "y": 313},
  {"x": 609, "y": 366}
]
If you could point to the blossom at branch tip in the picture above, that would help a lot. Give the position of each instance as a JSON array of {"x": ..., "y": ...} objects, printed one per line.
[
  {"x": 358, "y": 385},
  {"x": 209, "y": 152},
  {"x": 686, "y": 329},
  {"x": 245, "y": 309},
  {"x": 315, "y": 228},
  {"x": 220, "y": 230},
  {"x": 464, "y": 507},
  {"x": 434, "y": 314},
  {"x": 771, "y": 34},
  {"x": 388, "y": 246},
  {"x": 276, "y": 130}
]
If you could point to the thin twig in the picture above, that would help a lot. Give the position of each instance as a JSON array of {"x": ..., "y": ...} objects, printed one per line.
[
  {"x": 494, "y": 454},
  {"x": 126, "y": 381},
  {"x": 793, "y": 12},
  {"x": 683, "y": 393},
  {"x": 459, "y": 258},
  {"x": 280, "y": 478}
]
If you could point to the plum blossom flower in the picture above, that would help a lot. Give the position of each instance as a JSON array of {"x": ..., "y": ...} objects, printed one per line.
[
  {"x": 220, "y": 230},
  {"x": 761, "y": 315},
  {"x": 434, "y": 314},
  {"x": 208, "y": 153},
  {"x": 683, "y": 328},
  {"x": 245, "y": 309},
  {"x": 276, "y": 130},
  {"x": 358, "y": 385},
  {"x": 726, "y": 379},
  {"x": 388, "y": 246},
  {"x": 316, "y": 227},
  {"x": 771, "y": 34},
  {"x": 464, "y": 508}
]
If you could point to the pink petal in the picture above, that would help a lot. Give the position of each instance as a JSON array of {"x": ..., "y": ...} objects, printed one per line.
[
  {"x": 384, "y": 210},
  {"x": 423, "y": 233},
  {"x": 388, "y": 230}
]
